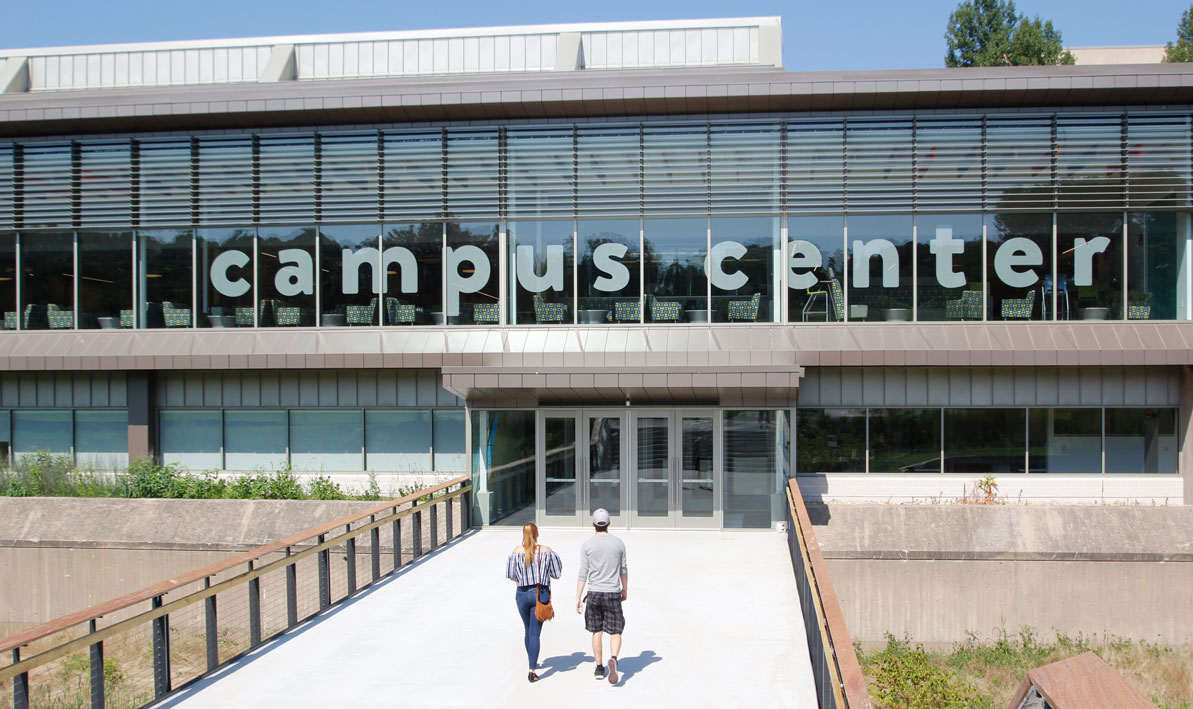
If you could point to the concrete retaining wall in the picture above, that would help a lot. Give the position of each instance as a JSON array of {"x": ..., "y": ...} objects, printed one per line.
[{"x": 939, "y": 573}]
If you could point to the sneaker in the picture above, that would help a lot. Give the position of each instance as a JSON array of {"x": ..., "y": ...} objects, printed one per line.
[
  {"x": 599, "y": 672},
  {"x": 612, "y": 670}
]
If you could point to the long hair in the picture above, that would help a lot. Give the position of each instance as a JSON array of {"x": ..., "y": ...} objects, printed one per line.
[{"x": 530, "y": 535}]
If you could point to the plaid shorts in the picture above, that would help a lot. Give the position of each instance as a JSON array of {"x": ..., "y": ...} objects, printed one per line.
[{"x": 603, "y": 613}]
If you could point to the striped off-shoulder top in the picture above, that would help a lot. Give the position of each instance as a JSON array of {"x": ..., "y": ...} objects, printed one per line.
[{"x": 544, "y": 567}]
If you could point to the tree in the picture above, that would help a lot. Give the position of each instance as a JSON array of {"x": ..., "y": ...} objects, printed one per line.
[
  {"x": 1182, "y": 51},
  {"x": 990, "y": 33}
]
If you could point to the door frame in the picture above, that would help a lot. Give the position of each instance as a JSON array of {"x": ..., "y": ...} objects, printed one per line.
[{"x": 675, "y": 518}]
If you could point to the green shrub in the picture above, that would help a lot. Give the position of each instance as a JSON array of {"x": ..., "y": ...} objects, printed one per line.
[
  {"x": 279, "y": 485},
  {"x": 906, "y": 678},
  {"x": 324, "y": 488}
]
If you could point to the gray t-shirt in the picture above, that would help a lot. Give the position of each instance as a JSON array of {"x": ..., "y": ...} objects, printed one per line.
[{"x": 602, "y": 563}]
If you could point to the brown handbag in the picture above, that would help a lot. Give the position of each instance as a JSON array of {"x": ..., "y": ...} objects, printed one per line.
[{"x": 543, "y": 611}]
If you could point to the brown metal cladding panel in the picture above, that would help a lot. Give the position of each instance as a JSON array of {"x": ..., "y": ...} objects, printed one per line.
[
  {"x": 534, "y": 381},
  {"x": 515, "y": 381},
  {"x": 582, "y": 381},
  {"x": 489, "y": 381},
  {"x": 605, "y": 380},
  {"x": 558, "y": 381},
  {"x": 372, "y": 360},
  {"x": 630, "y": 380},
  {"x": 1084, "y": 338},
  {"x": 399, "y": 361},
  {"x": 333, "y": 361},
  {"x": 356, "y": 360}
]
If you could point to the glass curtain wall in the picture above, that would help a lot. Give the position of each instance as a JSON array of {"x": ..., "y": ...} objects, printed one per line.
[
  {"x": 880, "y": 278},
  {"x": 742, "y": 268},
  {"x": 674, "y": 254},
  {"x": 285, "y": 279},
  {"x": 105, "y": 279},
  {"x": 8, "y": 280},
  {"x": 398, "y": 440},
  {"x": 327, "y": 440},
  {"x": 1157, "y": 252},
  {"x": 609, "y": 274},
  {"x": 542, "y": 264},
  {"x": 949, "y": 275},
  {"x": 224, "y": 265},
  {"x": 1019, "y": 259},
  {"x": 816, "y": 265},
  {"x": 753, "y": 446},
  {"x": 350, "y": 275},
  {"x": 1090, "y": 265},
  {"x": 191, "y": 439},
  {"x": 165, "y": 273},
  {"x": 472, "y": 254},
  {"x": 503, "y": 465},
  {"x": 254, "y": 439},
  {"x": 47, "y": 281},
  {"x": 412, "y": 256}
]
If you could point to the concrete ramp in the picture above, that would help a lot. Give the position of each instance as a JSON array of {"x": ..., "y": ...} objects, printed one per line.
[{"x": 712, "y": 620}]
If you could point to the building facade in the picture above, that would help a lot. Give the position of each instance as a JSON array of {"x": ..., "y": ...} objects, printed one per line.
[{"x": 633, "y": 266}]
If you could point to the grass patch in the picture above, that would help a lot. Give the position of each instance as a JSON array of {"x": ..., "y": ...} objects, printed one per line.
[{"x": 983, "y": 674}]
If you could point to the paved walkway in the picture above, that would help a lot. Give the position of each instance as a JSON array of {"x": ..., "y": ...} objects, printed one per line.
[{"x": 712, "y": 621}]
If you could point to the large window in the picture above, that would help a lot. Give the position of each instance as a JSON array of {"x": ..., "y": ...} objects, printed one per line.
[
  {"x": 472, "y": 270},
  {"x": 949, "y": 275},
  {"x": 1019, "y": 258},
  {"x": 350, "y": 275},
  {"x": 105, "y": 279},
  {"x": 608, "y": 272},
  {"x": 326, "y": 440},
  {"x": 165, "y": 276},
  {"x": 412, "y": 256},
  {"x": 754, "y": 441},
  {"x": 1089, "y": 267},
  {"x": 1157, "y": 246},
  {"x": 285, "y": 278},
  {"x": 8, "y": 280},
  {"x": 503, "y": 463},
  {"x": 742, "y": 268},
  {"x": 816, "y": 268},
  {"x": 224, "y": 259},
  {"x": 542, "y": 264},
  {"x": 830, "y": 440},
  {"x": 34, "y": 431},
  {"x": 904, "y": 440},
  {"x": 191, "y": 439},
  {"x": 254, "y": 439},
  {"x": 398, "y": 440},
  {"x": 449, "y": 440},
  {"x": 881, "y": 266},
  {"x": 984, "y": 440},
  {"x": 675, "y": 252},
  {"x": 1065, "y": 440},
  {"x": 101, "y": 439},
  {"x": 47, "y": 281}
]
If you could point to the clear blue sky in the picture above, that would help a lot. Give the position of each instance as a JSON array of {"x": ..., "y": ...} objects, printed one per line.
[{"x": 817, "y": 34}]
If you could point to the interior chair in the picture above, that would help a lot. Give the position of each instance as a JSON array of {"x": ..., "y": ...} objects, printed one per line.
[
  {"x": 1018, "y": 308},
  {"x": 664, "y": 310},
  {"x": 745, "y": 310},
  {"x": 361, "y": 314},
  {"x": 627, "y": 311},
  {"x": 486, "y": 313},
  {"x": 1139, "y": 306},
  {"x": 545, "y": 312},
  {"x": 967, "y": 307}
]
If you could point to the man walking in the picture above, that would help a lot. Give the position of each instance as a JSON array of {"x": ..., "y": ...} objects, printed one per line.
[{"x": 603, "y": 568}]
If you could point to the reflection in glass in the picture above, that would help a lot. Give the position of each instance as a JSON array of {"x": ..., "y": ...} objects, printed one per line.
[
  {"x": 34, "y": 431},
  {"x": 1065, "y": 440},
  {"x": 326, "y": 440},
  {"x": 105, "y": 279},
  {"x": 542, "y": 259},
  {"x": 560, "y": 463},
  {"x": 349, "y": 261},
  {"x": 164, "y": 274},
  {"x": 472, "y": 263},
  {"x": 752, "y": 442},
  {"x": 604, "y": 462},
  {"x": 224, "y": 260},
  {"x": 421, "y": 286},
  {"x": 449, "y": 440},
  {"x": 101, "y": 439},
  {"x": 696, "y": 466},
  {"x": 830, "y": 440},
  {"x": 255, "y": 440},
  {"x": 614, "y": 285},
  {"x": 674, "y": 254},
  {"x": 1155, "y": 250},
  {"x": 654, "y": 469},
  {"x": 949, "y": 252},
  {"x": 398, "y": 440},
  {"x": 904, "y": 440},
  {"x": 503, "y": 458},
  {"x": 816, "y": 261},
  {"x": 285, "y": 278},
  {"x": 1090, "y": 265},
  {"x": 191, "y": 439},
  {"x": 880, "y": 275},
  {"x": 746, "y": 249},
  {"x": 983, "y": 440},
  {"x": 5, "y": 438},
  {"x": 1019, "y": 256},
  {"x": 1141, "y": 441},
  {"x": 47, "y": 280},
  {"x": 8, "y": 281}
]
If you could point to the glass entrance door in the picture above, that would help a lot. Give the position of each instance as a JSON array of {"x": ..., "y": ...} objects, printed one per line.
[
  {"x": 560, "y": 486},
  {"x": 604, "y": 444},
  {"x": 674, "y": 475}
]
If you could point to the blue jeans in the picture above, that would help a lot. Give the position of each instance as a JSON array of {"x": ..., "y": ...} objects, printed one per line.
[{"x": 525, "y": 601}]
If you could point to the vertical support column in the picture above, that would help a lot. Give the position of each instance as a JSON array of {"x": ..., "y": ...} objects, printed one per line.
[
  {"x": 324, "y": 576},
  {"x": 1185, "y": 431},
  {"x": 434, "y": 526},
  {"x": 211, "y": 629},
  {"x": 141, "y": 415},
  {"x": 291, "y": 593},
  {"x": 254, "y": 610},
  {"x": 20, "y": 684},
  {"x": 447, "y": 511},
  {"x": 465, "y": 511},
  {"x": 418, "y": 534},
  {"x": 97, "y": 669},
  {"x": 397, "y": 530},
  {"x": 161, "y": 652},
  {"x": 351, "y": 559},
  {"x": 375, "y": 549}
]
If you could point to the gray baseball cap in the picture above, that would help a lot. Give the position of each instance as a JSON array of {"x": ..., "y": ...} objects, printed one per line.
[{"x": 601, "y": 517}]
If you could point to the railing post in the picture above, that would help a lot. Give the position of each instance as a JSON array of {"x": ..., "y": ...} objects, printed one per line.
[
  {"x": 418, "y": 534},
  {"x": 375, "y": 545},
  {"x": 465, "y": 511},
  {"x": 291, "y": 593},
  {"x": 397, "y": 528},
  {"x": 20, "y": 684},
  {"x": 211, "y": 629},
  {"x": 351, "y": 561},
  {"x": 324, "y": 576},
  {"x": 447, "y": 511},
  {"x": 161, "y": 652},
  {"x": 254, "y": 609},
  {"x": 434, "y": 525},
  {"x": 97, "y": 669}
]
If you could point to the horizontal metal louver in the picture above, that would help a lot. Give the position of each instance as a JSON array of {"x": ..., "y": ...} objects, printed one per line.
[
  {"x": 1089, "y": 162},
  {"x": 675, "y": 169},
  {"x": 8, "y": 186},
  {"x": 412, "y": 175},
  {"x": 948, "y": 165},
  {"x": 48, "y": 189},
  {"x": 815, "y": 166},
  {"x": 609, "y": 171},
  {"x": 105, "y": 184},
  {"x": 540, "y": 172},
  {"x": 226, "y": 180},
  {"x": 473, "y": 180},
  {"x": 166, "y": 187},
  {"x": 878, "y": 166},
  {"x": 1158, "y": 156},
  {"x": 744, "y": 168},
  {"x": 286, "y": 187},
  {"x": 348, "y": 172},
  {"x": 1018, "y": 164}
]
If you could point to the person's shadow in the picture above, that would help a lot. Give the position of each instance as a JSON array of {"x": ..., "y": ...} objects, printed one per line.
[
  {"x": 562, "y": 663},
  {"x": 629, "y": 667}
]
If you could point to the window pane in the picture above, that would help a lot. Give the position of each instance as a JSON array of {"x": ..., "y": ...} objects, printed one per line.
[
  {"x": 254, "y": 440},
  {"x": 503, "y": 455},
  {"x": 743, "y": 266},
  {"x": 398, "y": 441},
  {"x": 752, "y": 442},
  {"x": 1065, "y": 440},
  {"x": 449, "y": 441},
  {"x": 542, "y": 259},
  {"x": 326, "y": 440},
  {"x": 830, "y": 440},
  {"x": 560, "y": 463},
  {"x": 904, "y": 440},
  {"x": 816, "y": 261},
  {"x": 880, "y": 279},
  {"x": 5, "y": 442},
  {"x": 225, "y": 258},
  {"x": 609, "y": 280},
  {"x": 191, "y": 439},
  {"x": 105, "y": 279},
  {"x": 950, "y": 267},
  {"x": 286, "y": 279},
  {"x": 472, "y": 277},
  {"x": 34, "y": 431},
  {"x": 101, "y": 439},
  {"x": 350, "y": 264},
  {"x": 47, "y": 280},
  {"x": 675, "y": 252},
  {"x": 1155, "y": 251},
  {"x": 8, "y": 280},
  {"x": 413, "y": 256},
  {"x": 1020, "y": 256},
  {"x": 1090, "y": 271},
  {"x": 983, "y": 440},
  {"x": 1141, "y": 440},
  {"x": 165, "y": 275}
]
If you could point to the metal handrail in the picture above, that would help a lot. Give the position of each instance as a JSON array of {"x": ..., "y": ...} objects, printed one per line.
[
  {"x": 840, "y": 683},
  {"x": 20, "y": 668}
]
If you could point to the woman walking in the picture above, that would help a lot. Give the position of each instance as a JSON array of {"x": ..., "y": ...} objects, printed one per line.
[{"x": 531, "y": 566}]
